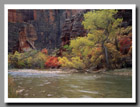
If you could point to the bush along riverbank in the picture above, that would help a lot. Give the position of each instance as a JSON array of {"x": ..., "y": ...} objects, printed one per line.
[{"x": 40, "y": 61}]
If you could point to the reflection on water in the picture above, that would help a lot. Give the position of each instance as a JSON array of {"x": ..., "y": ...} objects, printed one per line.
[{"x": 35, "y": 85}]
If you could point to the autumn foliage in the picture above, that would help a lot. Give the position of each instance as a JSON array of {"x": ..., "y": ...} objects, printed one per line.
[
  {"x": 45, "y": 51},
  {"x": 125, "y": 44},
  {"x": 105, "y": 45},
  {"x": 52, "y": 62}
]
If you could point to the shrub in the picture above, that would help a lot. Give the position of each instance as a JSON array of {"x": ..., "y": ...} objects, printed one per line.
[
  {"x": 65, "y": 62},
  {"x": 32, "y": 59},
  {"x": 67, "y": 47},
  {"x": 77, "y": 63},
  {"x": 15, "y": 60},
  {"x": 74, "y": 62},
  {"x": 52, "y": 62},
  {"x": 45, "y": 51},
  {"x": 38, "y": 60},
  {"x": 97, "y": 57},
  {"x": 125, "y": 44}
]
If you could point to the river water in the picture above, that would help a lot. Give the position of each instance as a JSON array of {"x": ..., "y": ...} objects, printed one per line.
[{"x": 76, "y": 85}]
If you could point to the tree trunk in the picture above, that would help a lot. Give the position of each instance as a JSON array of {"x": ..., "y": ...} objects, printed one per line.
[
  {"x": 116, "y": 43},
  {"x": 106, "y": 55}
]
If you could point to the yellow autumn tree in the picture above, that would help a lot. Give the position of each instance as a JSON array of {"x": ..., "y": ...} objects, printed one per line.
[{"x": 102, "y": 27}]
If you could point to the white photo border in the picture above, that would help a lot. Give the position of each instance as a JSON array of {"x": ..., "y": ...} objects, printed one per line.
[{"x": 70, "y": 100}]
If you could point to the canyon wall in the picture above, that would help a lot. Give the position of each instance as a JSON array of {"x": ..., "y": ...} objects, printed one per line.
[{"x": 38, "y": 29}]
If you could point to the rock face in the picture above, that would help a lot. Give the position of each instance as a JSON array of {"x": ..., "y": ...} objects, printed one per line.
[
  {"x": 127, "y": 17},
  {"x": 50, "y": 29},
  {"x": 73, "y": 28},
  {"x": 27, "y": 36},
  {"x": 45, "y": 32}
]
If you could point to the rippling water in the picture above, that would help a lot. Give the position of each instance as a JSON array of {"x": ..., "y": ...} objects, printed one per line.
[{"x": 77, "y": 85}]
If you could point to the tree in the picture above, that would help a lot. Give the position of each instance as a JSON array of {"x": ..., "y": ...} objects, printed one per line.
[
  {"x": 102, "y": 28},
  {"x": 81, "y": 47}
]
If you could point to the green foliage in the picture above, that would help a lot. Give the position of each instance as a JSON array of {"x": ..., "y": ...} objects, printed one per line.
[
  {"x": 103, "y": 28},
  {"x": 67, "y": 47},
  {"x": 15, "y": 61},
  {"x": 68, "y": 50},
  {"x": 125, "y": 31},
  {"x": 81, "y": 56},
  {"x": 38, "y": 60},
  {"x": 32, "y": 59},
  {"x": 101, "y": 25},
  {"x": 80, "y": 45},
  {"x": 82, "y": 48}
]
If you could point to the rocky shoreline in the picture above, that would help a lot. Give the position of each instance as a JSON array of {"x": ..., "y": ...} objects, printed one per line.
[
  {"x": 123, "y": 72},
  {"x": 126, "y": 72},
  {"x": 36, "y": 71}
]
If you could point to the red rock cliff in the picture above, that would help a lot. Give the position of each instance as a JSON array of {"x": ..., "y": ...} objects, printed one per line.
[{"x": 46, "y": 23}]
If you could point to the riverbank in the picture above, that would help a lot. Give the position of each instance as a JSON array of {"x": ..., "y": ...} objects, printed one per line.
[
  {"x": 124, "y": 71},
  {"x": 44, "y": 71},
  {"x": 37, "y": 71}
]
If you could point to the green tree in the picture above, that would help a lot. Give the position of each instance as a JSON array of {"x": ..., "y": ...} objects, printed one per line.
[
  {"x": 82, "y": 47},
  {"x": 102, "y": 28}
]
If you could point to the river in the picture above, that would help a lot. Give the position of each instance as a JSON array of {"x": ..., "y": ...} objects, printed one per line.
[{"x": 75, "y": 85}]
